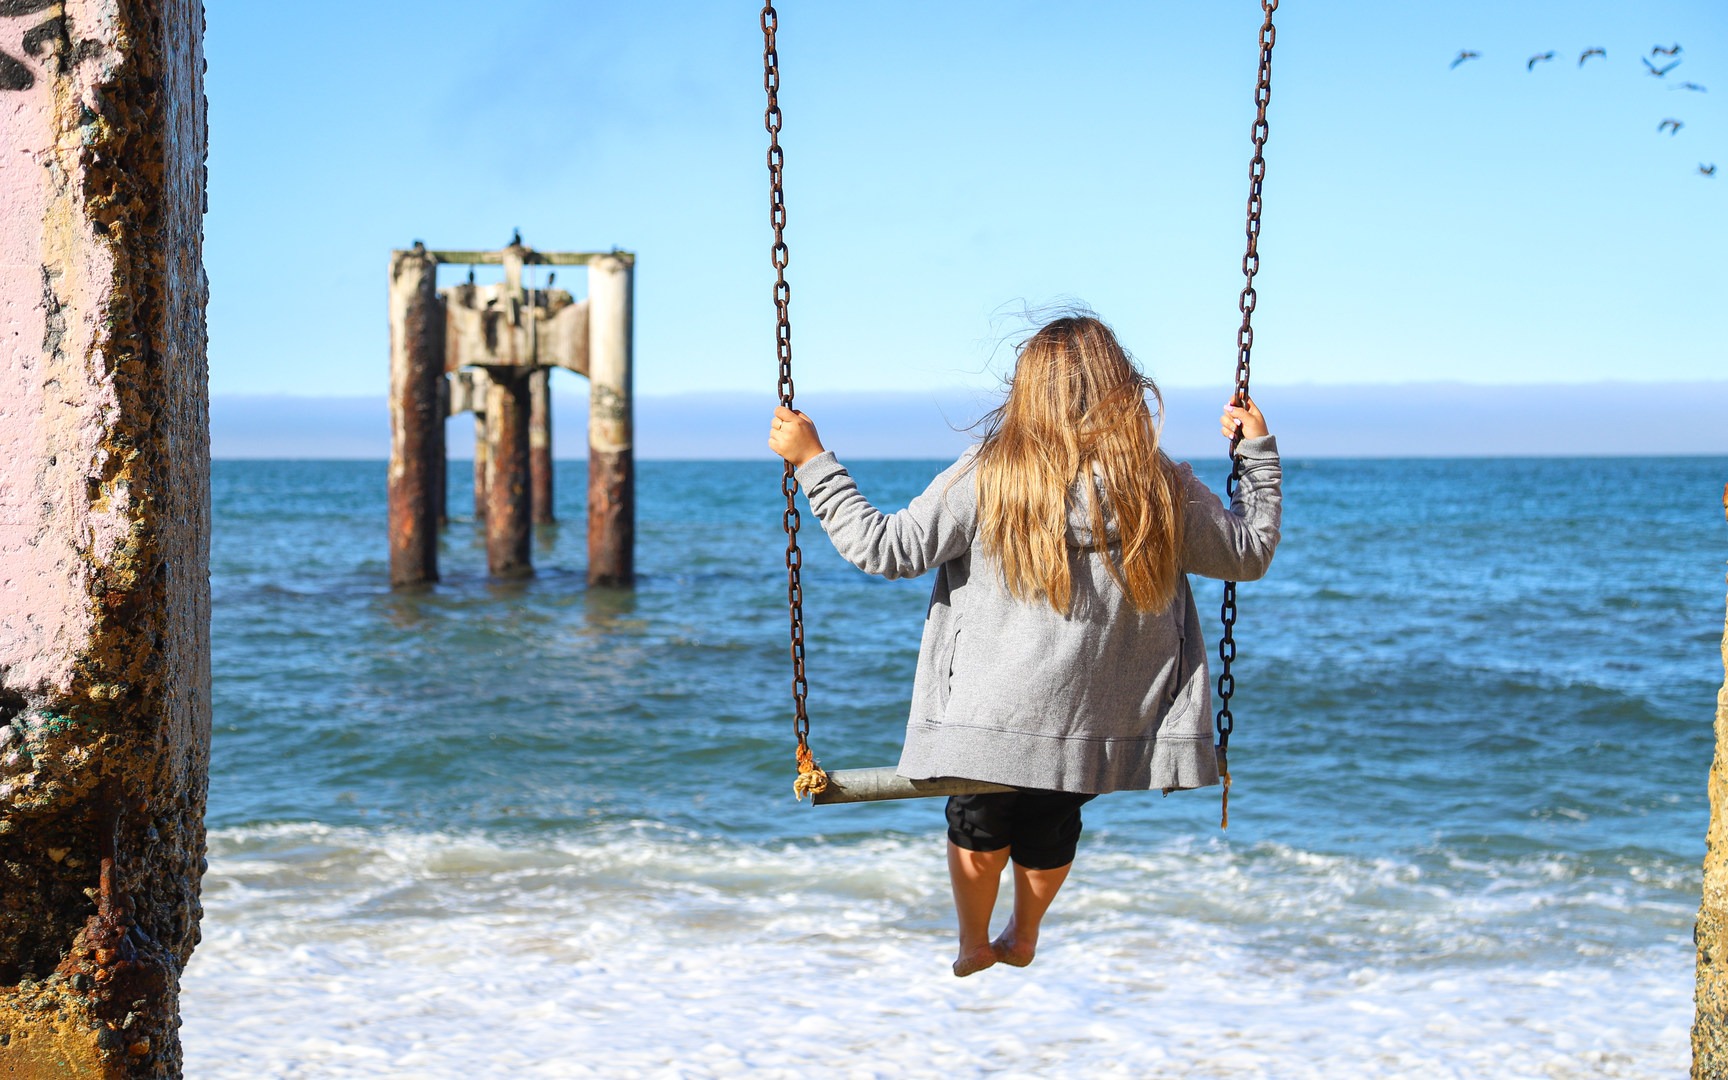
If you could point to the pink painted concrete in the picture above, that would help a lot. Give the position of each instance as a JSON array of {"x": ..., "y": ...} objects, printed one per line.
[
  {"x": 56, "y": 393},
  {"x": 104, "y": 533}
]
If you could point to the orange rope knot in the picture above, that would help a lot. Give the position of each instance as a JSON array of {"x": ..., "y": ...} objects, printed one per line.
[
  {"x": 1224, "y": 818},
  {"x": 811, "y": 780}
]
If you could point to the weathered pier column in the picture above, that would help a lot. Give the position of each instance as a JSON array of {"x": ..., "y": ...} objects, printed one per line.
[
  {"x": 104, "y": 532},
  {"x": 441, "y": 458},
  {"x": 611, "y": 435},
  {"x": 509, "y": 506},
  {"x": 1710, "y": 1019},
  {"x": 482, "y": 440},
  {"x": 416, "y": 367},
  {"x": 468, "y": 395},
  {"x": 540, "y": 443}
]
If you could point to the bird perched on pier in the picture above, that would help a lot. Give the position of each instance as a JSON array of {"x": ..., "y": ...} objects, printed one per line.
[
  {"x": 1588, "y": 53},
  {"x": 1689, "y": 86},
  {"x": 1672, "y": 50},
  {"x": 1465, "y": 54},
  {"x": 1539, "y": 58},
  {"x": 1659, "y": 71},
  {"x": 1672, "y": 127},
  {"x": 516, "y": 238},
  {"x": 1707, "y": 170}
]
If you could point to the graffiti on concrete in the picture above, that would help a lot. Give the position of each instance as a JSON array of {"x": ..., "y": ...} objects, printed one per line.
[{"x": 38, "y": 40}]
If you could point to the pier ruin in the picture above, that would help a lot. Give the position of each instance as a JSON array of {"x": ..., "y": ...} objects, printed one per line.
[{"x": 489, "y": 350}]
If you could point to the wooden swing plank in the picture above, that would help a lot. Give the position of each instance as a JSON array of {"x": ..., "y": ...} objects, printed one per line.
[{"x": 878, "y": 785}]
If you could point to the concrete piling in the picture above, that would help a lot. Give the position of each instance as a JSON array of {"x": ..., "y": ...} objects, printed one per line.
[
  {"x": 1710, "y": 934},
  {"x": 509, "y": 506},
  {"x": 611, "y": 434},
  {"x": 540, "y": 444},
  {"x": 482, "y": 440},
  {"x": 416, "y": 368},
  {"x": 477, "y": 383},
  {"x": 104, "y": 533},
  {"x": 440, "y": 458}
]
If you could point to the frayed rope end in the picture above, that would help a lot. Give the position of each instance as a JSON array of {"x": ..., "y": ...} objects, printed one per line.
[{"x": 811, "y": 780}]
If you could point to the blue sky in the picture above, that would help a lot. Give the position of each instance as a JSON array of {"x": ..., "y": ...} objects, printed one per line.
[{"x": 950, "y": 162}]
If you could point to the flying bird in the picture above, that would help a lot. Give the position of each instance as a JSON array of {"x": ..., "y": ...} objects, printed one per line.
[
  {"x": 1672, "y": 50},
  {"x": 1672, "y": 127},
  {"x": 1465, "y": 54},
  {"x": 1689, "y": 86},
  {"x": 1659, "y": 71},
  {"x": 1538, "y": 59},
  {"x": 1708, "y": 170},
  {"x": 1588, "y": 53}
]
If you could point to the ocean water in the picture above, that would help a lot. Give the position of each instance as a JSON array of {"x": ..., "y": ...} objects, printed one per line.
[{"x": 529, "y": 830}]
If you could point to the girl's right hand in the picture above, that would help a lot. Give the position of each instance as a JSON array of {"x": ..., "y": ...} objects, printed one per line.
[
  {"x": 1246, "y": 417},
  {"x": 793, "y": 436}
]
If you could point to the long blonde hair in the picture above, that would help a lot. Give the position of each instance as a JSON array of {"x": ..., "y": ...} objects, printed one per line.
[{"x": 1076, "y": 410}]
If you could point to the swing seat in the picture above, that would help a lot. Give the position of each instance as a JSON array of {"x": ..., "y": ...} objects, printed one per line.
[{"x": 879, "y": 785}]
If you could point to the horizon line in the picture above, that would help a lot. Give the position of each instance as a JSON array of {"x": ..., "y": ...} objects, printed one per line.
[{"x": 964, "y": 388}]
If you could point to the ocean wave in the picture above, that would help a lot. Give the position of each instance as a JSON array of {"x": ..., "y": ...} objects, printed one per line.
[{"x": 639, "y": 949}]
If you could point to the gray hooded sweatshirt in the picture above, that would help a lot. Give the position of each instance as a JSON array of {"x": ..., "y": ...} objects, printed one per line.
[{"x": 1098, "y": 699}]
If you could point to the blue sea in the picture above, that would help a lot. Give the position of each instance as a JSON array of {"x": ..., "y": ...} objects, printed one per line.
[{"x": 527, "y": 829}]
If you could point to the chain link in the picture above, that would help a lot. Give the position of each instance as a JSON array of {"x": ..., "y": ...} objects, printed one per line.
[
  {"x": 1226, "y": 721},
  {"x": 811, "y": 779}
]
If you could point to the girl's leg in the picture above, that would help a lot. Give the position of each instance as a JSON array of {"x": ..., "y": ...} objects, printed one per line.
[
  {"x": 1046, "y": 832},
  {"x": 1033, "y": 892},
  {"x": 975, "y": 877}
]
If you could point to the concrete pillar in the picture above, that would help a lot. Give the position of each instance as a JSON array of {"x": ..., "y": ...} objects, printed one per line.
[
  {"x": 1710, "y": 1020},
  {"x": 611, "y": 426},
  {"x": 509, "y": 500},
  {"x": 473, "y": 398},
  {"x": 440, "y": 458},
  {"x": 540, "y": 443},
  {"x": 416, "y": 365},
  {"x": 480, "y": 464},
  {"x": 104, "y": 532}
]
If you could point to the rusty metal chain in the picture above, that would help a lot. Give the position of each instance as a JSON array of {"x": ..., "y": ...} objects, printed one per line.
[
  {"x": 1226, "y": 721},
  {"x": 811, "y": 779}
]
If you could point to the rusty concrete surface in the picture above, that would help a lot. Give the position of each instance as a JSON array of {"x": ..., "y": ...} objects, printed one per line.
[
  {"x": 1710, "y": 996},
  {"x": 509, "y": 497},
  {"x": 416, "y": 415}
]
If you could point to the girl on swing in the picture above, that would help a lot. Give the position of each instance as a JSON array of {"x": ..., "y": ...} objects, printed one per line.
[{"x": 1062, "y": 652}]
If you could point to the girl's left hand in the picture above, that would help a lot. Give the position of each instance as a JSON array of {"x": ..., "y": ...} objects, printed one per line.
[
  {"x": 1247, "y": 416},
  {"x": 793, "y": 436}
]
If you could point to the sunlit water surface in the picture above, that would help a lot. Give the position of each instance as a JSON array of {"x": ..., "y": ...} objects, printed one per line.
[{"x": 529, "y": 830}]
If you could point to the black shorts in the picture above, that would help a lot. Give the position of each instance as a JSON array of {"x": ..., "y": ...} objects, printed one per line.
[{"x": 1040, "y": 829}]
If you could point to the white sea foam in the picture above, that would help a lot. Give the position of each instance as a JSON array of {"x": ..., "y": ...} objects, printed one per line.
[{"x": 641, "y": 951}]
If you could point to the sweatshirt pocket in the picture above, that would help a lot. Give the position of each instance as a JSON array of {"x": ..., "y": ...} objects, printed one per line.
[
  {"x": 1179, "y": 673},
  {"x": 945, "y": 667}
]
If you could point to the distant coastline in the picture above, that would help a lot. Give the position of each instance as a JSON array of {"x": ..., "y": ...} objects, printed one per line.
[{"x": 1406, "y": 420}]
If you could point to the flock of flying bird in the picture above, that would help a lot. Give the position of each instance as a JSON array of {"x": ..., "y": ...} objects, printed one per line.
[{"x": 1670, "y": 125}]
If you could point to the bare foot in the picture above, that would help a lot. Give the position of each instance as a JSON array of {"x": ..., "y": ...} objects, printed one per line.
[
  {"x": 1012, "y": 949},
  {"x": 974, "y": 960}
]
